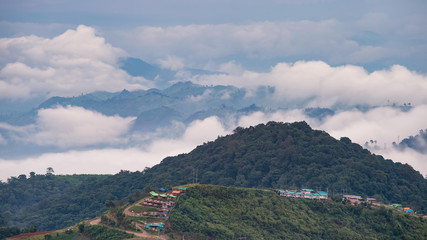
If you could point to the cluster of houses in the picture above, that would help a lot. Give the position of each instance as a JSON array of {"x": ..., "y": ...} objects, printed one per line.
[
  {"x": 163, "y": 200},
  {"x": 304, "y": 193},
  {"x": 355, "y": 199},
  {"x": 404, "y": 209}
]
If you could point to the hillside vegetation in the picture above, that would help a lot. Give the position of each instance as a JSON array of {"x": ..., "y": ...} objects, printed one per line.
[
  {"x": 273, "y": 155},
  {"x": 218, "y": 212},
  {"x": 292, "y": 155},
  {"x": 21, "y": 196}
]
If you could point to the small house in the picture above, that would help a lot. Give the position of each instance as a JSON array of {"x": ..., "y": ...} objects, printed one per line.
[
  {"x": 354, "y": 199},
  {"x": 290, "y": 194},
  {"x": 170, "y": 197},
  {"x": 307, "y": 190},
  {"x": 154, "y": 195},
  {"x": 322, "y": 195},
  {"x": 154, "y": 226},
  {"x": 308, "y": 195},
  {"x": 176, "y": 192}
]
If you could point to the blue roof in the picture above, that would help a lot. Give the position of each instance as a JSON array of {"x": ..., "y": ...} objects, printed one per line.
[
  {"x": 154, "y": 225},
  {"x": 322, "y": 193}
]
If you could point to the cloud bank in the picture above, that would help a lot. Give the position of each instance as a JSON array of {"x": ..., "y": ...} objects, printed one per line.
[
  {"x": 72, "y": 63},
  {"x": 112, "y": 160},
  {"x": 333, "y": 40},
  {"x": 317, "y": 84},
  {"x": 383, "y": 124},
  {"x": 67, "y": 127}
]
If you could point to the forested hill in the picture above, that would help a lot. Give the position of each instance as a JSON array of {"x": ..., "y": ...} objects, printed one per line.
[
  {"x": 292, "y": 155},
  {"x": 218, "y": 212},
  {"x": 272, "y": 155}
]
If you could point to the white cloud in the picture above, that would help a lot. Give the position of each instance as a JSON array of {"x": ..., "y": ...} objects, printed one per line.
[
  {"x": 113, "y": 160},
  {"x": 72, "y": 63},
  {"x": 172, "y": 62},
  {"x": 384, "y": 124},
  {"x": 278, "y": 116},
  {"x": 69, "y": 126},
  {"x": 231, "y": 67},
  {"x": 321, "y": 85},
  {"x": 198, "y": 132},
  {"x": 331, "y": 40},
  {"x": 97, "y": 161},
  {"x": 76, "y": 126},
  {"x": 415, "y": 159},
  {"x": 256, "y": 40}
]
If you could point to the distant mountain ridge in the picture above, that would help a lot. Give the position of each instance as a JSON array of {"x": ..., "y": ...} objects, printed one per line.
[
  {"x": 161, "y": 76},
  {"x": 417, "y": 142}
]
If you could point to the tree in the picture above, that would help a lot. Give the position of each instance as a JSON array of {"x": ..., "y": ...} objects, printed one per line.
[
  {"x": 49, "y": 171},
  {"x": 81, "y": 228},
  {"x": 32, "y": 174},
  {"x": 22, "y": 177},
  {"x": 110, "y": 204}
]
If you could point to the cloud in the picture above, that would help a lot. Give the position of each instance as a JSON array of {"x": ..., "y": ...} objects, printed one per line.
[
  {"x": 72, "y": 63},
  {"x": 331, "y": 40},
  {"x": 384, "y": 124},
  {"x": 256, "y": 40},
  {"x": 278, "y": 116},
  {"x": 69, "y": 126},
  {"x": 96, "y": 161},
  {"x": 172, "y": 63},
  {"x": 112, "y": 160},
  {"x": 415, "y": 159},
  {"x": 317, "y": 84}
]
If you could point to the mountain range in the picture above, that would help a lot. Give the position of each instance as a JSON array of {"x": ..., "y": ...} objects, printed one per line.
[{"x": 173, "y": 103}]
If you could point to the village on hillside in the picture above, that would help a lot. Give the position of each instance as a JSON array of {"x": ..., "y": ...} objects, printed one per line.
[
  {"x": 157, "y": 205},
  {"x": 311, "y": 194}
]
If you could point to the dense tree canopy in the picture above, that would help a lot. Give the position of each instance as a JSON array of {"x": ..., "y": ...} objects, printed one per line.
[
  {"x": 218, "y": 212},
  {"x": 272, "y": 155},
  {"x": 283, "y": 155}
]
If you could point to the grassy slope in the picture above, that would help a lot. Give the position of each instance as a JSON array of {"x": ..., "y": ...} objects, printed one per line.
[{"x": 207, "y": 211}]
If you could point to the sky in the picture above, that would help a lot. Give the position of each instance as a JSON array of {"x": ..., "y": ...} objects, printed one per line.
[{"x": 316, "y": 53}]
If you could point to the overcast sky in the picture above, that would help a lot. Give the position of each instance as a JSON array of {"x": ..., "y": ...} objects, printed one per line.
[{"x": 319, "y": 52}]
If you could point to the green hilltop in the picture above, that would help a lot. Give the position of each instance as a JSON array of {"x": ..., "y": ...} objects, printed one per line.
[
  {"x": 292, "y": 155},
  {"x": 266, "y": 156}
]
